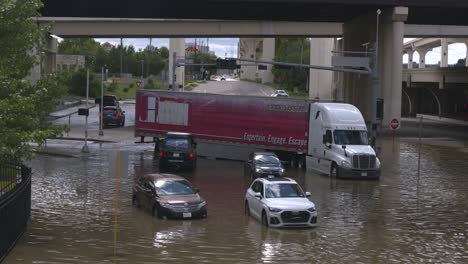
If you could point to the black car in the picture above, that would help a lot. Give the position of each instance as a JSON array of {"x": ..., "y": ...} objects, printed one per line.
[
  {"x": 113, "y": 115},
  {"x": 263, "y": 164},
  {"x": 109, "y": 100},
  {"x": 177, "y": 150},
  {"x": 168, "y": 196}
]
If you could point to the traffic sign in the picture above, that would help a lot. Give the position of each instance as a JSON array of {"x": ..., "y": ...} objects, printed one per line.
[
  {"x": 138, "y": 83},
  {"x": 395, "y": 124}
]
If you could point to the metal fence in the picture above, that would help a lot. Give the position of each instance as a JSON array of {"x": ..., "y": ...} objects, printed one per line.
[{"x": 15, "y": 204}]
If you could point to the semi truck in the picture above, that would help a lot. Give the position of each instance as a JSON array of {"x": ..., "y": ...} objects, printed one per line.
[{"x": 330, "y": 138}]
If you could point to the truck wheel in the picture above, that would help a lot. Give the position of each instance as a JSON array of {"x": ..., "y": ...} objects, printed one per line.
[
  {"x": 334, "y": 171},
  {"x": 301, "y": 162}
]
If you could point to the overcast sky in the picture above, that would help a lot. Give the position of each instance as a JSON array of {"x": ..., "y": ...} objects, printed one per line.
[{"x": 223, "y": 46}]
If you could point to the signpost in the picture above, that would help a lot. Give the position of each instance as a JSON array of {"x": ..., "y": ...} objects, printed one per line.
[{"x": 394, "y": 125}]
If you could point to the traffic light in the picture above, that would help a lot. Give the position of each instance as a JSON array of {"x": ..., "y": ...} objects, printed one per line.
[{"x": 229, "y": 64}]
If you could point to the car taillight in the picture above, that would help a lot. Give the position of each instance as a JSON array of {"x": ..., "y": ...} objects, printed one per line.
[
  {"x": 117, "y": 115},
  {"x": 161, "y": 154},
  {"x": 190, "y": 155}
]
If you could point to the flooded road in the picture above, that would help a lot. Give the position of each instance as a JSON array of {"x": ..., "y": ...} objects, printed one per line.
[{"x": 398, "y": 219}]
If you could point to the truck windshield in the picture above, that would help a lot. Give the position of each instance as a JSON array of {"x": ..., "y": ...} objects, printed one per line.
[{"x": 350, "y": 137}]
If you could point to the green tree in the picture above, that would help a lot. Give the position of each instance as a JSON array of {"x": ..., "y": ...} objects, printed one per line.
[
  {"x": 294, "y": 50},
  {"x": 81, "y": 46},
  {"x": 23, "y": 107}
]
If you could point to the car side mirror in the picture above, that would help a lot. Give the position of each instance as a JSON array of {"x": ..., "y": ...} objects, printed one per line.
[
  {"x": 328, "y": 145},
  {"x": 307, "y": 194},
  {"x": 123, "y": 112},
  {"x": 258, "y": 196},
  {"x": 196, "y": 190}
]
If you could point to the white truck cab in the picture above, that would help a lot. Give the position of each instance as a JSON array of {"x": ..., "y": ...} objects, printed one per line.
[{"x": 338, "y": 142}]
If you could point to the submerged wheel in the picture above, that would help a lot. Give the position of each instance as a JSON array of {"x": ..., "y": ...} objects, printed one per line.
[
  {"x": 247, "y": 209},
  {"x": 264, "y": 219},
  {"x": 334, "y": 170},
  {"x": 157, "y": 212},
  {"x": 135, "y": 201}
]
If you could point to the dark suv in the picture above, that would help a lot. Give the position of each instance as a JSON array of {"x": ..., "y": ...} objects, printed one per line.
[
  {"x": 109, "y": 100},
  {"x": 263, "y": 164},
  {"x": 113, "y": 115},
  {"x": 177, "y": 150}
]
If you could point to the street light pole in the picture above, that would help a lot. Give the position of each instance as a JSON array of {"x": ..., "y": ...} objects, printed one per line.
[
  {"x": 374, "y": 85},
  {"x": 85, "y": 148},
  {"x": 101, "y": 105}
]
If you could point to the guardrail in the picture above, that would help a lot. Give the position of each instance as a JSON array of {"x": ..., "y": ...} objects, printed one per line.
[{"x": 15, "y": 204}]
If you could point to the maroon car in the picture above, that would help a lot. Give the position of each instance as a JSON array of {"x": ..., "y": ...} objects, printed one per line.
[{"x": 168, "y": 196}]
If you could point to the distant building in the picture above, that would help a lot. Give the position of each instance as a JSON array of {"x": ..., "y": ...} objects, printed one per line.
[
  {"x": 65, "y": 62},
  {"x": 201, "y": 47}
]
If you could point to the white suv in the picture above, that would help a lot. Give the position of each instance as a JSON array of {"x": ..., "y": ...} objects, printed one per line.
[{"x": 280, "y": 202}]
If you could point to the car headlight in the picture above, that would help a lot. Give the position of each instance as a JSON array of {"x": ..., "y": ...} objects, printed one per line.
[
  {"x": 282, "y": 170},
  {"x": 258, "y": 170},
  {"x": 312, "y": 209},
  {"x": 377, "y": 163},
  {"x": 346, "y": 164},
  {"x": 164, "y": 204},
  {"x": 274, "y": 210},
  {"x": 202, "y": 203}
]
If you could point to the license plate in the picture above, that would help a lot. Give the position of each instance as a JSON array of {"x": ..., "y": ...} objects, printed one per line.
[
  {"x": 271, "y": 176},
  {"x": 176, "y": 155},
  {"x": 186, "y": 215},
  {"x": 364, "y": 174}
]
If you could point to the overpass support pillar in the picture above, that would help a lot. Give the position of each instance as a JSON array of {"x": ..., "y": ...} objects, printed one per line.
[
  {"x": 321, "y": 82},
  {"x": 176, "y": 45},
  {"x": 268, "y": 54},
  {"x": 444, "y": 53},
  {"x": 362, "y": 30},
  {"x": 422, "y": 57},
  {"x": 466, "y": 56},
  {"x": 410, "y": 58},
  {"x": 50, "y": 60},
  {"x": 250, "y": 48}
]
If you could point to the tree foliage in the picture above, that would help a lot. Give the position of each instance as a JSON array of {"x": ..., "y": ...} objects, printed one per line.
[
  {"x": 23, "y": 107},
  {"x": 294, "y": 50},
  {"x": 154, "y": 59}
]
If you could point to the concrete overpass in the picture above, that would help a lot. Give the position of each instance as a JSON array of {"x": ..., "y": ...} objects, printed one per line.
[
  {"x": 259, "y": 18},
  {"x": 423, "y": 45}
]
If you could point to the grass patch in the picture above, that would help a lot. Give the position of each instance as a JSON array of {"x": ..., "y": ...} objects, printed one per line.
[
  {"x": 121, "y": 90},
  {"x": 7, "y": 186}
]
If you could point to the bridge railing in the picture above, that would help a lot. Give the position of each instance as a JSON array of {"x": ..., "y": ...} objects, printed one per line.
[{"x": 15, "y": 204}]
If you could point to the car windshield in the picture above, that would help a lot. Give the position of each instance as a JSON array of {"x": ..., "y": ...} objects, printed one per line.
[
  {"x": 177, "y": 143},
  {"x": 267, "y": 159},
  {"x": 173, "y": 188},
  {"x": 350, "y": 137},
  {"x": 283, "y": 190}
]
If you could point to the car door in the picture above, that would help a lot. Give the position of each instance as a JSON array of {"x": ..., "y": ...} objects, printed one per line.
[
  {"x": 140, "y": 191},
  {"x": 256, "y": 202},
  {"x": 325, "y": 162}
]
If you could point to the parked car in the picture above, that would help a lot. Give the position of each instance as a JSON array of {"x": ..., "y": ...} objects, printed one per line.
[
  {"x": 177, "y": 150},
  {"x": 280, "y": 202},
  {"x": 168, "y": 196},
  {"x": 280, "y": 93},
  {"x": 263, "y": 164},
  {"x": 113, "y": 115}
]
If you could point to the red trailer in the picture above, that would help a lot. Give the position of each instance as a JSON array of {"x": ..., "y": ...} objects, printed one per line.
[{"x": 270, "y": 123}]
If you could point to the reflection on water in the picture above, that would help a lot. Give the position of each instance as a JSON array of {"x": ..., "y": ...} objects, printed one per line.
[{"x": 401, "y": 218}]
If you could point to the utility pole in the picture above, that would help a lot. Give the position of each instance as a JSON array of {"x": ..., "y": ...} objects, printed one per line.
[
  {"x": 142, "y": 82},
  {"x": 121, "y": 58},
  {"x": 85, "y": 148},
  {"x": 101, "y": 105},
  {"x": 374, "y": 85},
  {"x": 174, "y": 67}
]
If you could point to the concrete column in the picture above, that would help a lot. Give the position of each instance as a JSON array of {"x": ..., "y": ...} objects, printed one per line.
[
  {"x": 357, "y": 88},
  {"x": 466, "y": 55},
  {"x": 177, "y": 45},
  {"x": 50, "y": 59},
  {"x": 321, "y": 82},
  {"x": 392, "y": 72},
  {"x": 444, "y": 53},
  {"x": 268, "y": 53},
  {"x": 422, "y": 57},
  {"x": 410, "y": 58},
  {"x": 250, "y": 48}
]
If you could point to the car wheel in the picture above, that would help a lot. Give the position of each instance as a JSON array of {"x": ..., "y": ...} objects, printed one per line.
[
  {"x": 135, "y": 201},
  {"x": 157, "y": 212},
  {"x": 247, "y": 209},
  {"x": 123, "y": 123},
  {"x": 264, "y": 219},
  {"x": 334, "y": 171},
  {"x": 162, "y": 166}
]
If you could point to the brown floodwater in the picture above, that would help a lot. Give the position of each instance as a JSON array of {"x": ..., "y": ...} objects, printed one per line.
[{"x": 400, "y": 218}]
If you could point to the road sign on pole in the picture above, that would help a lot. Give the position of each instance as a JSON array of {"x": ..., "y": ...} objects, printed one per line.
[{"x": 395, "y": 124}]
